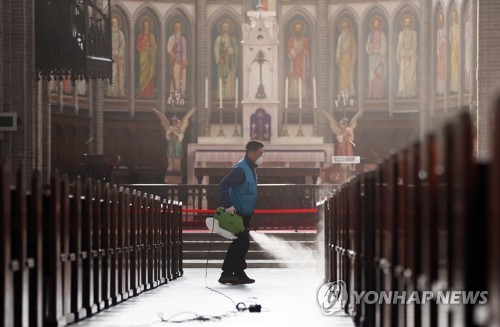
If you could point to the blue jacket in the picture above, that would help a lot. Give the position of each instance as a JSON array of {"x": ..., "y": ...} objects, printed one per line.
[{"x": 239, "y": 188}]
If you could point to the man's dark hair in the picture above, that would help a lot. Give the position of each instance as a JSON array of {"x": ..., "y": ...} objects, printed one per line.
[{"x": 253, "y": 146}]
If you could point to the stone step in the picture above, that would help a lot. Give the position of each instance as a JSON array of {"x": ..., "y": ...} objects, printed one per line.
[
  {"x": 192, "y": 263},
  {"x": 196, "y": 245},
  {"x": 287, "y": 236},
  {"x": 220, "y": 254},
  {"x": 222, "y": 245}
]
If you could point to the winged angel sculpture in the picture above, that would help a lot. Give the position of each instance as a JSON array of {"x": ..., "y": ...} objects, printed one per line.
[
  {"x": 344, "y": 130},
  {"x": 174, "y": 133}
]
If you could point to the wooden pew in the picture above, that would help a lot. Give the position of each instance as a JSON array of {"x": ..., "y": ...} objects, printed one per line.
[
  {"x": 412, "y": 266},
  {"x": 106, "y": 249},
  {"x": 165, "y": 257},
  {"x": 168, "y": 221},
  {"x": 76, "y": 252},
  {"x": 123, "y": 242},
  {"x": 379, "y": 248},
  {"x": 19, "y": 243},
  {"x": 98, "y": 252},
  {"x": 53, "y": 258},
  {"x": 135, "y": 255},
  {"x": 468, "y": 223},
  {"x": 492, "y": 315},
  {"x": 367, "y": 243},
  {"x": 7, "y": 295},
  {"x": 401, "y": 232},
  {"x": 35, "y": 251},
  {"x": 114, "y": 251},
  {"x": 73, "y": 251},
  {"x": 145, "y": 242},
  {"x": 88, "y": 251}
]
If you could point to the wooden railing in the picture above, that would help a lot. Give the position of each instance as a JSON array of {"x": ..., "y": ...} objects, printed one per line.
[
  {"x": 269, "y": 197},
  {"x": 72, "y": 251},
  {"x": 425, "y": 220}
]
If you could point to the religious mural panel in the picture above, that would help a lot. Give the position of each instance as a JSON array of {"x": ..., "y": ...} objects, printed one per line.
[
  {"x": 146, "y": 62},
  {"x": 119, "y": 49},
  {"x": 266, "y": 4},
  {"x": 407, "y": 56},
  {"x": 468, "y": 38},
  {"x": 453, "y": 39},
  {"x": 440, "y": 52},
  {"x": 177, "y": 61},
  {"x": 226, "y": 54},
  {"x": 298, "y": 51},
  {"x": 346, "y": 58},
  {"x": 376, "y": 52}
]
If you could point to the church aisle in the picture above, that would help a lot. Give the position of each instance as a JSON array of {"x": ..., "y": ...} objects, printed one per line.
[{"x": 287, "y": 296}]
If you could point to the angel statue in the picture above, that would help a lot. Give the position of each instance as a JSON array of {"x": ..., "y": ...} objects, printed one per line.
[
  {"x": 344, "y": 130},
  {"x": 174, "y": 133}
]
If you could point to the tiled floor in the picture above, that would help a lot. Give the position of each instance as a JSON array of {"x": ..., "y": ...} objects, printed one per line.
[{"x": 287, "y": 296}]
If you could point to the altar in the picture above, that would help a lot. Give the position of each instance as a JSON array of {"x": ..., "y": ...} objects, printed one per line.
[{"x": 206, "y": 160}]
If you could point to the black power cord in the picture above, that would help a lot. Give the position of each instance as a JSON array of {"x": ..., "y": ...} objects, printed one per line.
[{"x": 240, "y": 306}]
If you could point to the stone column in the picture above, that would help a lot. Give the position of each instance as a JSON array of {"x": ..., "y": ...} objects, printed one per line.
[
  {"x": 19, "y": 78},
  {"x": 488, "y": 71},
  {"x": 46, "y": 142},
  {"x": 202, "y": 69},
  {"x": 321, "y": 127},
  {"x": 96, "y": 112},
  {"x": 131, "y": 70},
  {"x": 426, "y": 56}
]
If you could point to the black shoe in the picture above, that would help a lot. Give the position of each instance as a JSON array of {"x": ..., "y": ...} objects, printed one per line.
[
  {"x": 229, "y": 278},
  {"x": 244, "y": 279}
]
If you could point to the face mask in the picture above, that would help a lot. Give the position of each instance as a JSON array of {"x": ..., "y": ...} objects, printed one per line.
[{"x": 258, "y": 162}]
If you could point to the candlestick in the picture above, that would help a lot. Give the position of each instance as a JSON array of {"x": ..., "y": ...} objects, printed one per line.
[
  {"x": 236, "y": 94},
  {"x": 300, "y": 92},
  {"x": 220, "y": 92},
  {"x": 286, "y": 93},
  {"x": 206, "y": 92},
  {"x": 314, "y": 92}
]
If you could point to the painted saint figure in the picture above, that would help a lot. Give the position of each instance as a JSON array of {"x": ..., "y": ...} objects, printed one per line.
[
  {"x": 298, "y": 52},
  {"x": 177, "y": 59},
  {"x": 468, "y": 48},
  {"x": 441, "y": 54},
  {"x": 147, "y": 48},
  {"x": 376, "y": 47},
  {"x": 346, "y": 58},
  {"x": 454, "y": 37},
  {"x": 226, "y": 58},
  {"x": 117, "y": 89},
  {"x": 406, "y": 56}
]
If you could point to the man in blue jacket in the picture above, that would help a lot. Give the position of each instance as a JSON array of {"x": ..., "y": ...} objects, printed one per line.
[{"x": 238, "y": 194}]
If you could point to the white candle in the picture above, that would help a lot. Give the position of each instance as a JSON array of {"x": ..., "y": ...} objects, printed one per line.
[
  {"x": 206, "y": 92},
  {"x": 236, "y": 94},
  {"x": 344, "y": 98},
  {"x": 220, "y": 92},
  {"x": 351, "y": 102},
  {"x": 314, "y": 91},
  {"x": 300, "y": 92},
  {"x": 286, "y": 92}
]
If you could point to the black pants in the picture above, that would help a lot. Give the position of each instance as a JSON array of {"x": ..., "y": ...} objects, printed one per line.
[{"x": 235, "y": 256}]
